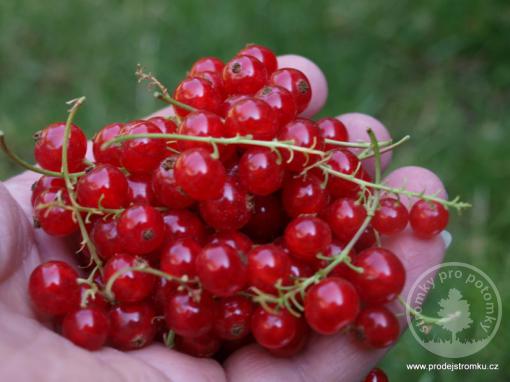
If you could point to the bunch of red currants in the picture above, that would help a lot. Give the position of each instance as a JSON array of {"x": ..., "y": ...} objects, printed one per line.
[{"x": 236, "y": 220}]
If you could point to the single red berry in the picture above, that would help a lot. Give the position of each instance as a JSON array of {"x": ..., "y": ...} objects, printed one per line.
[
  {"x": 216, "y": 80},
  {"x": 53, "y": 288},
  {"x": 299, "y": 269},
  {"x": 307, "y": 236},
  {"x": 376, "y": 375},
  {"x": 44, "y": 183},
  {"x": 178, "y": 257},
  {"x": 391, "y": 217},
  {"x": 268, "y": 264},
  {"x": 110, "y": 154},
  {"x": 304, "y": 133},
  {"x": 106, "y": 238},
  {"x": 237, "y": 240},
  {"x": 345, "y": 162},
  {"x": 274, "y": 330},
  {"x": 251, "y": 116},
  {"x": 142, "y": 155},
  {"x": 103, "y": 186},
  {"x": 167, "y": 126},
  {"x": 87, "y": 328},
  {"x": 281, "y": 101},
  {"x": 233, "y": 317},
  {"x": 244, "y": 75},
  {"x": 345, "y": 217},
  {"x": 142, "y": 229},
  {"x": 304, "y": 196},
  {"x": 183, "y": 223},
  {"x": 331, "y": 305},
  {"x": 199, "y": 94},
  {"x": 200, "y": 175},
  {"x": 132, "y": 326},
  {"x": 230, "y": 101},
  {"x": 221, "y": 269},
  {"x": 332, "y": 128},
  {"x": 267, "y": 219},
  {"x": 54, "y": 220},
  {"x": 165, "y": 187},
  {"x": 366, "y": 240},
  {"x": 207, "y": 64},
  {"x": 296, "y": 345},
  {"x": 231, "y": 211},
  {"x": 383, "y": 275},
  {"x": 261, "y": 53},
  {"x": 295, "y": 82},
  {"x": 261, "y": 171},
  {"x": 204, "y": 346},
  {"x": 140, "y": 189},
  {"x": 200, "y": 124},
  {"x": 377, "y": 327},
  {"x": 428, "y": 218},
  {"x": 48, "y": 147},
  {"x": 130, "y": 286},
  {"x": 190, "y": 315}
]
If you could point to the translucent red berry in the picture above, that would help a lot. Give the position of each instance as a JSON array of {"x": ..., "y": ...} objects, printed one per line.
[
  {"x": 183, "y": 223},
  {"x": 391, "y": 217},
  {"x": 345, "y": 162},
  {"x": 178, "y": 257},
  {"x": 304, "y": 195},
  {"x": 428, "y": 218},
  {"x": 199, "y": 94},
  {"x": 297, "y": 83},
  {"x": 267, "y": 219},
  {"x": 281, "y": 101},
  {"x": 307, "y": 236},
  {"x": 268, "y": 264},
  {"x": 376, "y": 375},
  {"x": 345, "y": 217},
  {"x": 261, "y": 53},
  {"x": 53, "y": 219},
  {"x": 44, "y": 183},
  {"x": 165, "y": 187},
  {"x": 332, "y": 128},
  {"x": 244, "y": 75},
  {"x": 110, "y": 154},
  {"x": 105, "y": 186},
  {"x": 251, "y": 116},
  {"x": 87, "y": 328},
  {"x": 200, "y": 124},
  {"x": 204, "y": 346},
  {"x": 106, "y": 238},
  {"x": 190, "y": 315},
  {"x": 140, "y": 189},
  {"x": 274, "y": 330},
  {"x": 132, "y": 326},
  {"x": 237, "y": 240},
  {"x": 233, "y": 316},
  {"x": 377, "y": 327},
  {"x": 207, "y": 64},
  {"x": 261, "y": 171}
]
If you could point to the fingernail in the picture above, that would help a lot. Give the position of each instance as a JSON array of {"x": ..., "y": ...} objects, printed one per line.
[{"x": 447, "y": 238}]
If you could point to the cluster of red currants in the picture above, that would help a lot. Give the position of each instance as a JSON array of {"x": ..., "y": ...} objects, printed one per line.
[{"x": 220, "y": 226}]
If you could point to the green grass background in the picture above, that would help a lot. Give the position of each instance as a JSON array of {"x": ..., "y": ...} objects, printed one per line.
[{"x": 437, "y": 69}]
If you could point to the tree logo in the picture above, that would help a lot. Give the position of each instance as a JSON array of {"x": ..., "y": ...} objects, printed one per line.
[{"x": 462, "y": 312}]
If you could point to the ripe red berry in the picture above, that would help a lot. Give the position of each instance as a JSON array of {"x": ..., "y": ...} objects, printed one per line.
[
  {"x": 232, "y": 319},
  {"x": 44, "y": 183},
  {"x": 237, "y": 240},
  {"x": 261, "y": 53},
  {"x": 231, "y": 211},
  {"x": 132, "y": 326},
  {"x": 142, "y": 229},
  {"x": 167, "y": 126},
  {"x": 201, "y": 176},
  {"x": 183, "y": 223},
  {"x": 110, "y": 154},
  {"x": 307, "y": 236},
  {"x": 230, "y": 101},
  {"x": 48, "y": 147},
  {"x": 296, "y": 345},
  {"x": 304, "y": 196},
  {"x": 142, "y": 155},
  {"x": 221, "y": 269},
  {"x": 261, "y": 171},
  {"x": 377, "y": 327},
  {"x": 106, "y": 238},
  {"x": 332, "y": 128},
  {"x": 216, "y": 80},
  {"x": 281, "y": 101},
  {"x": 266, "y": 265},
  {"x": 178, "y": 257},
  {"x": 53, "y": 288},
  {"x": 190, "y": 315},
  {"x": 295, "y": 82},
  {"x": 376, "y": 375},
  {"x": 165, "y": 187},
  {"x": 207, "y": 64},
  {"x": 251, "y": 116},
  {"x": 383, "y": 275},
  {"x": 87, "y": 328},
  {"x": 199, "y": 94},
  {"x": 428, "y": 218},
  {"x": 204, "y": 346},
  {"x": 54, "y": 220},
  {"x": 140, "y": 189},
  {"x": 105, "y": 186},
  {"x": 391, "y": 217},
  {"x": 345, "y": 217},
  {"x": 244, "y": 75},
  {"x": 130, "y": 286},
  {"x": 345, "y": 162},
  {"x": 274, "y": 330},
  {"x": 331, "y": 305},
  {"x": 267, "y": 219},
  {"x": 366, "y": 240},
  {"x": 200, "y": 124}
]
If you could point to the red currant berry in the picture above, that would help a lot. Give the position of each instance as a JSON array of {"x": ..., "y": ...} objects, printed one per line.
[
  {"x": 261, "y": 171},
  {"x": 307, "y": 236},
  {"x": 377, "y": 327},
  {"x": 200, "y": 124},
  {"x": 106, "y": 238},
  {"x": 376, "y": 375},
  {"x": 216, "y": 80},
  {"x": 267, "y": 219},
  {"x": 167, "y": 126},
  {"x": 190, "y": 315},
  {"x": 200, "y": 175},
  {"x": 251, "y": 116},
  {"x": 244, "y": 75},
  {"x": 383, "y": 275},
  {"x": 207, "y": 64},
  {"x": 221, "y": 269},
  {"x": 331, "y": 305},
  {"x": 44, "y": 183},
  {"x": 281, "y": 101},
  {"x": 428, "y": 218},
  {"x": 204, "y": 346},
  {"x": 165, "y": 187},
  {"x": 261, "y": 53},
  {"x": 268, "y": 264},
  {"x": 345, "y": 162},
  {"x": 233, "y": 316},
  {"x": 54, "y": 220},
  {"x": 87, "y": 328},
  {"x": 48, "y": 147},
  {"x": 391, "y": 217},
  {"x": 142, "y": 229},
  {"x": 132, "y": 326},
  {"x": 140, "y": 189},
  {"x": 230, "y": 101},
  {"x": 345, "y": 217},
  {"x": 296, "y": 345},
  {"x": 237, "y": 240},
  {"x": 199, "y": 94},
  {"x": 332, "y": 128},
  {"x": 130, "y": 286},
  {"x": 304, "y": 196},
  {"x": 178, "y": 257},
  {"x": 299, "y": 269},
  {"x": 295, "y": 82},
  {"x": 274, "y": 330},
  {"x": 105, "y": 186},
  {"x": 54, "y": 289},
  {"x": 183, "y": 223},
  {"x": 230, "y": 211},
  {"x": 110, "y": 154}
]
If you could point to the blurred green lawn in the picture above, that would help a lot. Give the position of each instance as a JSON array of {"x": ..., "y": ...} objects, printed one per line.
[{"x": 439, "y": 70}]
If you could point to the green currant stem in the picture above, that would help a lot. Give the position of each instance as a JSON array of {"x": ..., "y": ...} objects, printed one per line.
[
  {"x": 172, "y": 101},
  {"x": 424, "y": 318},
  {"x": 89, "y": 210},
  {"x": 169, "y": 339},
  {"x": 384, "y": 149},
  {"x": 361, "y": 145}
]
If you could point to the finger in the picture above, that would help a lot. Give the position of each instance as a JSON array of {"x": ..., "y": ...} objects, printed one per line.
[
  {"x": 316, "y": 77},
  {"x": 165, "y": 113},
  {"x": 357, "y": 125},
  {"x": 340, "y": 357}
]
